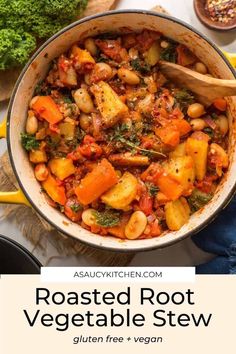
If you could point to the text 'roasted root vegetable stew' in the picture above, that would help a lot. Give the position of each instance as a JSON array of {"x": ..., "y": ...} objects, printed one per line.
[{"x": 118, "y": 148}]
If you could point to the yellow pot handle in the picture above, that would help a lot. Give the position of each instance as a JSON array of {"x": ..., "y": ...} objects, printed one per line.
[
  {"x": 16, "y": 197},
  {"x": 231, "y": 58}
]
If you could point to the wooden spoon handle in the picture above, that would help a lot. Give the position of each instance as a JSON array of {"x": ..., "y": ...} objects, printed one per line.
[{"x": 207, "y": 88}]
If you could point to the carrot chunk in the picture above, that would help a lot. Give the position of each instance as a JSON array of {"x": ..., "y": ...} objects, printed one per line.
[
  {"x": 220, "y": 104},
  {"x": 47, "y": 109},
  {"x": 97, "y": 182},
  {"x": 54, "y": 190}
]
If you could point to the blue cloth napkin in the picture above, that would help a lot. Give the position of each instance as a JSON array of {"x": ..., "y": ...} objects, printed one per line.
[{"x": 219, "y": 238}]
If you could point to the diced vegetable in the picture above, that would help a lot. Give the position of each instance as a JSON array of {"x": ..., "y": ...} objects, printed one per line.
[
  {"x": 182, "y": 170},
  {"x": 67, "y": 130},
  {"x": 129, "y": 160},
  {"x": 220, "y": 104},
  {"x": 182, "y": 126},
  {"x": 61, "y": 167},
  {"x": 170, "y": 187},
  {"x": 177, "y": 214},
  {"x": 55, "y": 191},
  {"x": 198, "y": 150},
  {"x": 97, "y": 182},
  {"x": 184, "y": 56},
  {"x": 67, "y": 73},
  {"x": 119, "y": 230},
  {"x": 179, "y": 151},
  {"x": 109, "y": 103},
  {"x": 47, "y": 109},
  {"x": 152, "y": 56},
  {"x": 168, "y": 135},
  {"x": 37, "y": 156},
  {"x": 123, "y": 193},
  {"x": 82, "y": 58}
]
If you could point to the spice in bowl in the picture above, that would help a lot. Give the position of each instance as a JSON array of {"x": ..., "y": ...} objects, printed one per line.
[{"x": 222, "y": 11}]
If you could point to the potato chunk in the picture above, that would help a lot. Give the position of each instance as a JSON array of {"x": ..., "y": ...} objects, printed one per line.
[
  {"x": 177, "y": 214},
  {"x": 38, "y": 156},
  {"x": 198, "y": 150},
  {"x": 182, "y": 170},
  {"x": 61, "y": 167},
  {"x": 109, "y": 103},
  {"x": 123, "y": 193}
]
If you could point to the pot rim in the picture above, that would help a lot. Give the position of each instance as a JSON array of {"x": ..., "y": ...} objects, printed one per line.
[{"x": 71, "y": 26}]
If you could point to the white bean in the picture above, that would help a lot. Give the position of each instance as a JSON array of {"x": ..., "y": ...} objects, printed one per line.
[
  {"x": 223, "y": 124},
  {"x": 31, "y": 123},
  {"x": 198, "y": 124},
  {"x": 136, "y": 225},
  {"x": 200, "y": 68},
  {"x": 216, "y": 149},
  {"x": 83, "y": 100},
  {"x": 41, "y": 172},
  {"x": 133, "y": 53},
  {"x": 196, "y": 110},
  {"x": 103, "y": 71},
  {"x": 85, "y": 121},
  {"x": 164, "y": 44},
  {"x": 128, "y": 76},
  {"x": 91, "y": 47},
  {"x": 88, "y": 217}
]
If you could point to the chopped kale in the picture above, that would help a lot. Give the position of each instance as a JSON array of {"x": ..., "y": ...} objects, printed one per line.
[
  {"x": 184, "y": 98},
  {"x": 76, "y": 207},
  {"x": 29, "y": 142},
  {"x": 209, "y": 132},
  {"x": 169, "y": 53},
  {"x": 152, "y": 189},
  {"x": 198, "y": 199},
  {"x": 140, "y": 66},
  {"x": 107, "y": 218}
]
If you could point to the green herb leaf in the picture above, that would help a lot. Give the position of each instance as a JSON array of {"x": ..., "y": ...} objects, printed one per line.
[
  {"x": 184, "y": 98},
  {"x": 76, "y": 207},
  {"x": 29, "y": 142},
  {"x": 107, "y": 218},
  {"x": 152, "y": 189},
  {"x": 169, "y": 53},
  {"x": 198, "y": 199},
  {"x": 140, "y": 66}
]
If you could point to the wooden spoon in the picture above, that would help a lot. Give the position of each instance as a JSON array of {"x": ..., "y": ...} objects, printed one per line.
[{"x": 206, "y": 88}]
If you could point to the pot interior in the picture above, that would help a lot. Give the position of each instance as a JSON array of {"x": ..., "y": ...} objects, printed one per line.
[{"x": 36, "y": 71}]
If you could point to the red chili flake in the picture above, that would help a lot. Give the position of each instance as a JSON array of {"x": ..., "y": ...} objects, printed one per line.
[{"x": 222, "y": 11}]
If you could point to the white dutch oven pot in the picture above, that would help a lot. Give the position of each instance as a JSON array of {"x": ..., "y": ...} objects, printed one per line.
[{"x": 36, "y": 70}]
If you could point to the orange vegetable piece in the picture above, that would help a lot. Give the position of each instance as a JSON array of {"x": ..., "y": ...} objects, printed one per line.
[
  {"x": 55, "y": 191},
  {"x": 169, "y": 135},
  {"x": 182, "y": 126},
  {"x": 47, "y": 109},
  {"x": 97, "y": 182},
  {"x": 168, "y": 186},
  {"x": 185, "y": 57},
  {"x": 220, "y": 104}
]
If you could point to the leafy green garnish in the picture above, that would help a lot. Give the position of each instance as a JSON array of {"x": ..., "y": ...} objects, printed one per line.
[
  {"x": 198, "y": 199},
  {"x": 107, "y": 218},
  {"x": 67, "y": 99},
  {"x": 140, "y": 66},
  {"x": 209, "y": 131},
  {"x": 29, "y": 142},
  {"x": 169, "y": 53},
  {"x": 184, "y": 98},
  {"x": 127, "y": 136},
  {"x": 76, "y": 207},
  {"x": 152, "y": 189}
]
